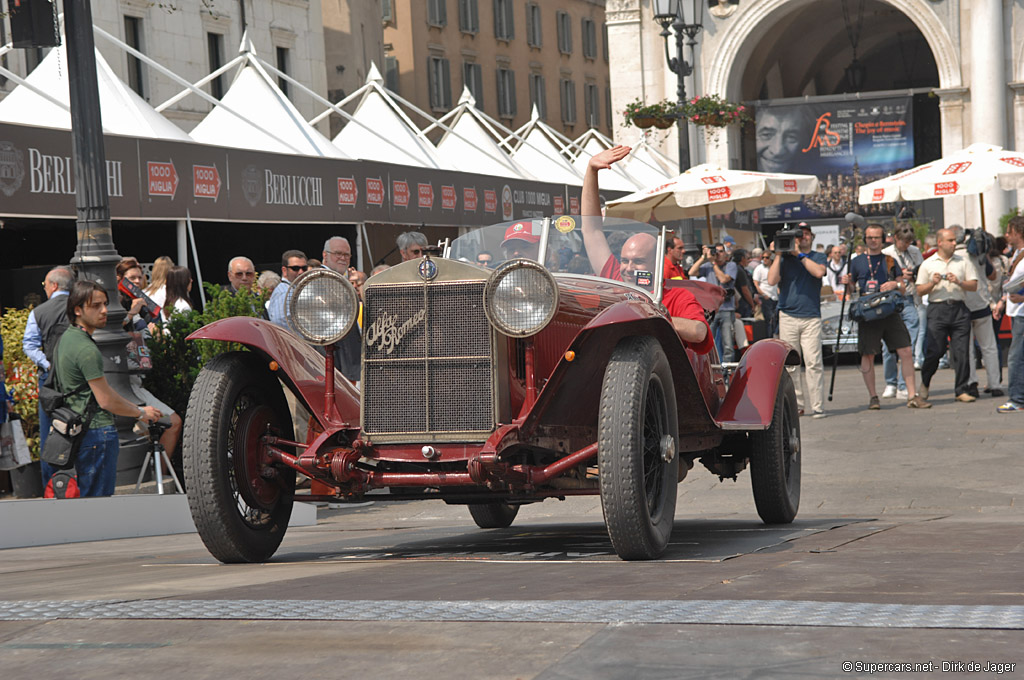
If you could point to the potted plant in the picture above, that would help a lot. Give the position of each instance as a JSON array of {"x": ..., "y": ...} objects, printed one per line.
[
  {"x": 22, "y": 382},
  {"x": 661, "y": 115},
  {"x": 710, "y": 110}
]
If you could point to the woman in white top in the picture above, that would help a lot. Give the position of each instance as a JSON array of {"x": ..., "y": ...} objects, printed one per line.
[
  {"x": 179, "y": 285},
  {"x": 157, "y": 290}
]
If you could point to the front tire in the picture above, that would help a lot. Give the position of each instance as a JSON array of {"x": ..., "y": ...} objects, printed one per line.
[
  {"x": 493, "y": 515},
  {"x": 638, "y": 433},
  {"x": 775, "y": 459},
  {"x": 241, "y": 512}
]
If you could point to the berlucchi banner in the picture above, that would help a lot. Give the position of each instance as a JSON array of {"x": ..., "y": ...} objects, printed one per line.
[
  {"x": 845, "y": 143},
  {"x": 162, "y": 180}
]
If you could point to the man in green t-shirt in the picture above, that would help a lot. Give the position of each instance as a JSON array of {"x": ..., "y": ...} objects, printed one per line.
[{"x": 79, "y": 362}]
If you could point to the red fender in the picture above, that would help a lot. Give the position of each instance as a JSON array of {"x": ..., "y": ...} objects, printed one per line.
[
  {"x": 750, "y": 401},
  {"x": 302, "y": 366}
]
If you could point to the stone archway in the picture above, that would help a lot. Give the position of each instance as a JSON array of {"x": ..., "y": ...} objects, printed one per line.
[{"x": 724, "y": 67}]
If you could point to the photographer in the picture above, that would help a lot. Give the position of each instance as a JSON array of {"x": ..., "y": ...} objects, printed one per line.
[
  {"x": 908, "y": 257},
  {"x": 877, "y": 272},
  {"x": 798, "y": 271},
  {"x": 714, "y": 266}
]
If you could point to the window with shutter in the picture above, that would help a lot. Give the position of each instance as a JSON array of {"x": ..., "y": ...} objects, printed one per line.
[
  {"x": 504, "y": 27},
  {"x": 506, "y": 93},
  {"x": 473, "y": 79},
  {"x": 564, "y": 32},
  {"x": 568, "y": 92},
  {"x": 437, "y": 12},
  {"x": 469, "y": 16},
  {"x": 538, "y": 96},
  {"x": 533, "y": 25},
  {"x": 439, "y": 83},
  {"x": 589, "y": 37}
]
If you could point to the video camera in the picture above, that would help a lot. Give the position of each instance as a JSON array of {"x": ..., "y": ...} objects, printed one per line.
[
  {"x": 785, "y": 238},
  {"x": 150, "y": 311}
]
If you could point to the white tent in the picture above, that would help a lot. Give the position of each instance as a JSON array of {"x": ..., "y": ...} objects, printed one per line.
[
  {"x": 540, "y": 150},
  {"x": 42, "y": 99},
  {"x": 380, "y": 131},
  {"x": 270, "y": 123},
  {"x": 474, "y": 147},
  {"x": 592, "y": 142},
  {"x": 645, "y": 165}
]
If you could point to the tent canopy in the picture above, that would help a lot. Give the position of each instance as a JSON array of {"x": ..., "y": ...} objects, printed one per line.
[
  {"x": 123, "y": 111},
  {"x": 540, "y": 151},
  {"x": 473, "y": 148}
]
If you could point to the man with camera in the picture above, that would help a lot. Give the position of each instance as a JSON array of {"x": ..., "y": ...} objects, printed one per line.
[
  {"x": 909, "y": 258},
  {"x": 877, "y": 272},
  {"x": 798, "y": 271},
  {"x": 944, "y": 277},
  {"x": 714, "y": 266}
]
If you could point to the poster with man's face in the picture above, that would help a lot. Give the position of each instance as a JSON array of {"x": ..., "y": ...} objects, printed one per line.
[{"x": 844, "y": 143}]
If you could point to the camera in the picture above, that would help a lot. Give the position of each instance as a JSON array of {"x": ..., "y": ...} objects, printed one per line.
[{"x": 785, "y": 238}]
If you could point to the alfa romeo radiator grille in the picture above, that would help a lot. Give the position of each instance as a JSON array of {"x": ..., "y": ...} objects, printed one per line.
[{"x": 427, "y": 361}]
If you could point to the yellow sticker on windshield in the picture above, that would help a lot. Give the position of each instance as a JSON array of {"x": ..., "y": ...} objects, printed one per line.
[{"x": 565, "y": 224}]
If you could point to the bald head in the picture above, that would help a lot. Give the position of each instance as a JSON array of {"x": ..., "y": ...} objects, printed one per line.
[
  {"x": 637, "y": 255},
  {"x": 241, "y": 272}
]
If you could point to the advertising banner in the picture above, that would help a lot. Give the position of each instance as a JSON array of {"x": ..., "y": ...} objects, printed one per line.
[
  {"x": 845, "y": 143},
  {"x": 162, "y": 180}
]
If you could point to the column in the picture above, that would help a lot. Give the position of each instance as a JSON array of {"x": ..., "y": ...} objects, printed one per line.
[
  {"x": 988, "y": 93},
  {"x": 955, "y": 209}
]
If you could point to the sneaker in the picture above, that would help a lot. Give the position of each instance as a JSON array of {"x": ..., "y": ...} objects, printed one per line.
[
  {"x": 818, "y": 415},
  {"x": 902, "y": 394},
  {"x": 923, "y": 392},
  {"x": 966, "y": 398},
  {"x": 917, "y": 402},
  {"x": 995, "y": 392},
  {"x": 889, "y": 392},
  {"x": 873, "y": 405},
  {"x": 1010, "y": 407},
  {"x": 917, "y": 365}
]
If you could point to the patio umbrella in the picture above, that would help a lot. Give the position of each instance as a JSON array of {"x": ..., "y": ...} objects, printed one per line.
[
  {"x": 706, "y": 190},
  {"x": 973, "y": 170}
]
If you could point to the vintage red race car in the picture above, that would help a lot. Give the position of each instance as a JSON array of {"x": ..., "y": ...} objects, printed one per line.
[{"x": 488, "y": 388}]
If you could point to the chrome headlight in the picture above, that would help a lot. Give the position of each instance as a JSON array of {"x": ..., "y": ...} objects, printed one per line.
[
  {"x": 322, "y": 306},
  {"x": 520, "y": 298}
]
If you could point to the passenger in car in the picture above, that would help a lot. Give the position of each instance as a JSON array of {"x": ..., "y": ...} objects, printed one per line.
[{"x": 638, "y": 253}]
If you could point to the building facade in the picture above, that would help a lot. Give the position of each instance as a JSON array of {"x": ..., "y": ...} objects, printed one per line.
[
  {"x": 965, "y": 56},
  {"x": 192, "y": 39},
  {"x": 512, "y": 55}
]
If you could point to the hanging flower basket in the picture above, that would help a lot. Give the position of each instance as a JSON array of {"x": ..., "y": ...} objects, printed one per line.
[
  {"x": 661, "y": 115},
  {"x": 711, "y": 111}
]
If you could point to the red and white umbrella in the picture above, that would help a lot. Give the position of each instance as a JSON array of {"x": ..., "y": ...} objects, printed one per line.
[
  {"x": 973, "y": 170},
  {"x": 706, "y": 190}
]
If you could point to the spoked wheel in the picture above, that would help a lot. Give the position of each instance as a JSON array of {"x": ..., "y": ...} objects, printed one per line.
[
  {"x": 775, "y": 459},
  {"x": 637, "y": 460},
  {"x": 240, "y": 502},
  {"x": 493, "y": 515}
]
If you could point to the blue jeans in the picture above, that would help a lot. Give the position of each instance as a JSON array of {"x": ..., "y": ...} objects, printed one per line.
[
  {"x": 893, "y": 376},
  {"x": 96, "y": 463},
  {"x": 724, "y": 331},
  {"x": 1015, "y": 361}
]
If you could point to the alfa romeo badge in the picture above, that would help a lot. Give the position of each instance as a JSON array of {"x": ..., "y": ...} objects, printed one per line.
[{"x": 428, "y": 269}]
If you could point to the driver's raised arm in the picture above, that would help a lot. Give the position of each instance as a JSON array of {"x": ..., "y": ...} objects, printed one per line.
[{"x": 594, "y": 241}]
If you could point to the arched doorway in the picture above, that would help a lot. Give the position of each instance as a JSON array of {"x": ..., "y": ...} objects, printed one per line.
[{"x": 801, "y": 50}]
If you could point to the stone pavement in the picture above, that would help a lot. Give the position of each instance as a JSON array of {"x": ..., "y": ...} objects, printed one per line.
[{"x": 909, "y": 533}]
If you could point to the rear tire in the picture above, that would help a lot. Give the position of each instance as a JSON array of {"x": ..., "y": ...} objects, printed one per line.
[
  {"x": 775, "y": 459},
  {"x": 493, "y": 515},
  {"x": 637, "y": 430},
  {"x": 240, "y": 514}
]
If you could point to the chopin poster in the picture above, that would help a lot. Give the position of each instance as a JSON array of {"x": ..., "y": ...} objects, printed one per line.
[{"x": 845, "y": 143}]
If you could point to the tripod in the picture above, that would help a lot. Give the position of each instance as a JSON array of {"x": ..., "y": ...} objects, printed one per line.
[{"x": 157, "y": 456}]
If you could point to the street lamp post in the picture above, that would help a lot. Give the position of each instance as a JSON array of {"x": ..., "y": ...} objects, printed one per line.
[
  {"x": 96, "y": 257},
  {"x": 684, "y": 18}
]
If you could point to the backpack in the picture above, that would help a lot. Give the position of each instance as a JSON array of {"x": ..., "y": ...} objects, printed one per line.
[{"x": 67, "y": 426}]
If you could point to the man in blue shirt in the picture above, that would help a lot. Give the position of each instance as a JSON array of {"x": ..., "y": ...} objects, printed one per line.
[
  {"x": 293, "y": 263},
  {"x": 46, "y": 323},
  {"x": 798, "y": 275},
  {"x": 877, "y": 272},
  {"x": 714, "y": 266}
]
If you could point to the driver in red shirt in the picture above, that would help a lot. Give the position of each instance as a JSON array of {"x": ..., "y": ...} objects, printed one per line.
[{"x": 638, "y": 253}]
